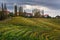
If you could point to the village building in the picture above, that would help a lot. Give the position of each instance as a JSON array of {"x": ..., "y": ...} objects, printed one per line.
[{"x": 28, "y": 15}]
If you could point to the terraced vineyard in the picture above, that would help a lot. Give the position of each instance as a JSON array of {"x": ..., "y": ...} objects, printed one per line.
[{"x": 19, "y": 28}]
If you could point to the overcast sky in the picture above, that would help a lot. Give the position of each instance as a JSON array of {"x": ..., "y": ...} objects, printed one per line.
[{"x": 51, "y": 7}]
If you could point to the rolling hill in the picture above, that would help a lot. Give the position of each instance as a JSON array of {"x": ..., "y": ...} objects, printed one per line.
[{"x": 20, "y": 28}]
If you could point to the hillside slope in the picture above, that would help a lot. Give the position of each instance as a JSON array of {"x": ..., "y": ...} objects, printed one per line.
[{"x": 19, "y": 28}]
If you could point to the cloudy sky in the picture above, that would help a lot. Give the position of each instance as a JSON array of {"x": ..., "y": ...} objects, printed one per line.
[{"x": 51, "y": 7}]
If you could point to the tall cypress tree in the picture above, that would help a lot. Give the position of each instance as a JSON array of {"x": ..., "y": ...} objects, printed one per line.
[
  {"x": 2, "y": 12},
  {"x": 20, "y": 11},
  {"x": 42, "y": 12},
  {"x": 15, "y": 10},
  {"x": 2, "y": 7},
  {"x": 5, "y": 7},
  {"x": 5, "y": 10}
]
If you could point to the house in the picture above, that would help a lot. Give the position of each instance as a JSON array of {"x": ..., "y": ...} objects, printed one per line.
[
  {"x": 47, "y": 16},
  {"x": 7, "y": 12},
  {"x": 28, "y": 14}
]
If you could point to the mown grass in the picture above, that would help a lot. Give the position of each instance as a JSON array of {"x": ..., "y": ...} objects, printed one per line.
[{"x": 20, "y": 28}]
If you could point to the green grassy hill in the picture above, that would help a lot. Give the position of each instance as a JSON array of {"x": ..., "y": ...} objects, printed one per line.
[{"x": 19, "y": 28}]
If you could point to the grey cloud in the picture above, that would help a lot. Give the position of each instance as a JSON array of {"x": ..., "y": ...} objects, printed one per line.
[{"x": 55, "y": 4}]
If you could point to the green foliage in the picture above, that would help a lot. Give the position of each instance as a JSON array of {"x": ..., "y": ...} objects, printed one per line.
[
  {"x": 21, "y": 11},
  {"x": 36, "y": 13},
  {"x": 2, "y": 15},
  {"x": 11, "y": 14},
  {"x": 15, "y": 10},
  {"x": 19, "y": 28}
]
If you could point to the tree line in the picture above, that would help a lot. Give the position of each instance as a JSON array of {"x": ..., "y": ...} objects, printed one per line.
[{"x": 36, "y": 13}]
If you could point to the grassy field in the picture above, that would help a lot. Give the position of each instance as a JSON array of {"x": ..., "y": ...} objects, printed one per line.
[{"x": 19, "y": 28}]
